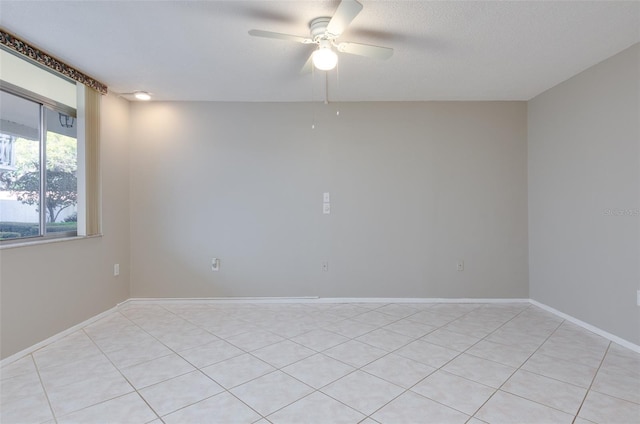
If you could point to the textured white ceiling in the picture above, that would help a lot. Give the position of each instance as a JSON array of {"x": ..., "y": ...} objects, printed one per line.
[{"x": 451, "y": 50}]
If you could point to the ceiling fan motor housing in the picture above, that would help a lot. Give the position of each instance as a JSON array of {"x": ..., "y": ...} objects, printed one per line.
[{"x": 318, "y": 28}]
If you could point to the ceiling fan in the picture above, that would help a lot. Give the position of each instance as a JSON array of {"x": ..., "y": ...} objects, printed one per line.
[{"x": 325, "y": 32}]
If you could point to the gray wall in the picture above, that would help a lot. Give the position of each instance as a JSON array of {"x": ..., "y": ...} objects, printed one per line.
[
  {"x": 414, "y": 188},
  {"x": 584, "y": 162},
  {"x": 48, "y": 288}
]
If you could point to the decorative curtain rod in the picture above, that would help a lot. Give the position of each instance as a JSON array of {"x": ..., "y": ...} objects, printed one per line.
[{"x": 37, "y": 55}]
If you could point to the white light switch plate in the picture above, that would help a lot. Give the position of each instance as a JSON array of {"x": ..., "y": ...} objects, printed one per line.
[
  {"x": 326, "y": 208},
  {"x": 326, "y": 197}
]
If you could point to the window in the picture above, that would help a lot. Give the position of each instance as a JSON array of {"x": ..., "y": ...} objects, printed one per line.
[
  {"x": 38, "y": 166},
  {"x": 49, "y": 146}
]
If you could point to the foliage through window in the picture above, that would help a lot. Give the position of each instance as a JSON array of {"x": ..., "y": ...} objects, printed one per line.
[{"x": 38, "y": 169}]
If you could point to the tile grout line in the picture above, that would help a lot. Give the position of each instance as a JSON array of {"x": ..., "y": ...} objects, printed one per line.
[
  {"x": 588, "y": 389},
  {"x": 439, "y": 368},
  {"x": 228, "y": 390},
  {"x": 539, "y": 403},
  {"x": 519, "y": 367},
  {"x": 120, "y": 372},
  {"x": 44, "y": 389},
  {"x": 321, "y": 352},
  {"x": 196, "y": 368},
  {"x": 104, "y": 400},
  {"x": 317, "y": 352},
  {"x": 350, "y": 365},
  {"x": 144, "y": 362},
  {"x": 595, "y": 375}
]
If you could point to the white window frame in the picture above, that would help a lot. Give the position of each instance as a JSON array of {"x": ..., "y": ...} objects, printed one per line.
[{"x": 43, "y": 103}]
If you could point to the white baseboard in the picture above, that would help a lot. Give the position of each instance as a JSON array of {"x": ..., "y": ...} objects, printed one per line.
[
  {"x": 311, "y": 299},
  {"x": 54, "y": 338},
  {"x": 205, "y": 300},
  {"x": 586, "y": 326},
  {"x": 413, "y": 300}
]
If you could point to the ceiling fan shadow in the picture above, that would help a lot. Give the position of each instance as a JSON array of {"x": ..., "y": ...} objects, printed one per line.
[
  {"x": 433, "y": 44},
  {"x": 267, "y": 15},
  {"x": 398, "y": 38},
  {"x": 372, "y": 34},
  {"x": 252, "y": 10}
]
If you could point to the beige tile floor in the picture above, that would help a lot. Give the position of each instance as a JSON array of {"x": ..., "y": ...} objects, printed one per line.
[{"x": 325, "y": 363}]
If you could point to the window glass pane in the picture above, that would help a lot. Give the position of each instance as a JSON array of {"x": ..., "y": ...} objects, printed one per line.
[
  {"x": 19, "y": 167},
  {"x": 61, "y": 172}
]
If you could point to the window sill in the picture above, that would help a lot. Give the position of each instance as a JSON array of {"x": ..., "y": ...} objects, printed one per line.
[{"x": 45, "y": 241}]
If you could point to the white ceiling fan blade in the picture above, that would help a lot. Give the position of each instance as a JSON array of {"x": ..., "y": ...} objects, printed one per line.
[
  {"x": 308, "y": 66},
  {"x": 345, "y": 13},
  {"x": 377, "y": 52},
  {"x": 279, "y": 36}
]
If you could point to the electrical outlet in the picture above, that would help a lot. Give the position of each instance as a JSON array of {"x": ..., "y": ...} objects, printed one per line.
[
  {"x": 116, "y": 270},
  {"x": 460, "y": 266},
  {"x": 215, "y": 264},
  {"x": 325, "y": 266}
]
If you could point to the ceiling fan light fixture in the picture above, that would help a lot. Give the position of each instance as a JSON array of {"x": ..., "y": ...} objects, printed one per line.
[{"x": 325, "y": 59}]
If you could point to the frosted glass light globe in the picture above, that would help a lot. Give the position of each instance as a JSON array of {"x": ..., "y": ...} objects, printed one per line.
[{"x": 325, "y": 59}]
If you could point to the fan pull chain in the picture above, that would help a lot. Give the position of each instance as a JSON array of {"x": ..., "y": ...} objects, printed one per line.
[
  {"x": 313, "y": 104},
  {"x": 338, "y": 87},
  {"x": 326, "y": 88}
]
